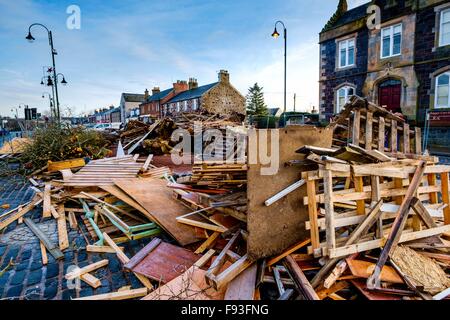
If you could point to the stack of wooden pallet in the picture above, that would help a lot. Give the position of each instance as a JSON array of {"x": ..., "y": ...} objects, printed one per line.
[{"x": 219, "y": 175}]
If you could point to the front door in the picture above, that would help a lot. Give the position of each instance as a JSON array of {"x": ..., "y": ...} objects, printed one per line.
[{"x": 390, "y": 95}]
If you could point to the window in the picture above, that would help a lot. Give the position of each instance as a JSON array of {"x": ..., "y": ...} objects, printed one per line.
[
  {"x": 346, "y": 53},
  {"x": 185, "y": 105},
  {"x": 195, "y": 105},
  {"x": 391, "y": 41},
  {"x": 343, "y": 96},
  {"x": 442, "y": 91},
  {"x": 444, "y": 29},
  {"x": 178, "y": 106}
]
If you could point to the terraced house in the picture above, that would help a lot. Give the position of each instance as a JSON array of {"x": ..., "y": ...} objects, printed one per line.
[{"x": 403, "y": 63}]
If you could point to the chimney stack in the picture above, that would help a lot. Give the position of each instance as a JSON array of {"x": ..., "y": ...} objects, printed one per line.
[
  {"x": 145, "y": 94},
  {"x": 155, "y": 90},
  {"x": 180, "y": 86},
  {"x": 224, "y": 76},
  {"x": 193, "y": 84}
]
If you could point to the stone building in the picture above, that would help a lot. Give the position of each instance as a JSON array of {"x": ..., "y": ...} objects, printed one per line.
[
  {"x": 128, "y": 102},
  {"x": 218, "y": 97},
  {"x": 403, "y": 63}
]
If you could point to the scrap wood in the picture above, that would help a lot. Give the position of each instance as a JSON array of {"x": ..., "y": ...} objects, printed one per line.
[
  {"x": 364, "y": 269},
  {"x": 119, "y": 295},
  {"x": 442, "y": 295},
  {"x": 101, "y": 249},
  {"x": 300, "y": 280},
  {"x": 124, "y": 259},
  {"x": 161, "y": 261},
  {"x": 47, "y": 201},
  {"x": 54, "y": 166},
  {"x": 51, "y": 247},
  {"x": 190, "y": 285},
  {"x": 243, "y": 286},
  {"x": 288, "y": 251},
  {"x": 89, "y": 268},
  {"x": 43, "y": 253},
  {"x": 424, "y": 273},
  {"x": 326, "y": 292},
  {"x": 397, "y": 228},
  {"x": 94, "y": 282},
  {"x": 63, "y": 237},
  {"x": 208, "y": 242},
  {"x": 160, "y": 206},
  {"x": 223, "y": 278}
]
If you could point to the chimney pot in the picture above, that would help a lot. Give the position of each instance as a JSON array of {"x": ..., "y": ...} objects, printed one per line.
[{"x": 224, "y": 76}]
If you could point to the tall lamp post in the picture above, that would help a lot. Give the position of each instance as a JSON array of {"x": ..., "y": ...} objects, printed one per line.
[
  {"x": 30, "y": 38},
  {"x": 275, "y": 35},
  {"x": 49, "y": 101}
]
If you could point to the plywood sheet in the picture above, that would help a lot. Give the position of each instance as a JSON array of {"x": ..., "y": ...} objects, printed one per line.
[
  {"x": 273, "y": 229},
  {"x": 156, "y": 198},
  {"x": 165, "y": 262}
]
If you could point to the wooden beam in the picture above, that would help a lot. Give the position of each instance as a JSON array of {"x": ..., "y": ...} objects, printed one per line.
[
  {"x": 208, "y": 242},
  {"x": 312, "y": 212},
  {"x": 381, "y": 136},
  {"x": 101, "y": 249},
  {"x": 119, "y": 295},
  {"x": 46, "y": 207},
  {"x": 445, "y": 196},
  {"x": 356, "y": 126},
  {"x": 359, "y": 187},
  {"x": 89, "y": 268},
  {"x": 43, "y": 253},
  {"x": 300, "y": 279},
  {"x": 63, "y": 237},
  {"x": 397, "y": 228},
  {"x": 288, "y": 251},
  {"x": 222, "y": 279},
  {"x": 52, "y": 248},
  {"x": 369, "y": 132},
  {"x": 329, "y": 209},
  {"x": 94, "y": 282}
]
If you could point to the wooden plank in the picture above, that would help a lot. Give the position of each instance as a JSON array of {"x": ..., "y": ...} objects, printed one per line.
[
  {"x": 398, "y": 226},
  {"x": 89, "y": 268},
  {"x": 393, "y": 139},
  {"x": 43, "y": 253},
  {"x": 329, "y": 209},
  {"x": 356, "y": 126},
  {"x": 46, "y": 207},
  {"x": 445, "y": 196},
  {"x": 432, "y": 181},
  {"x": 359, "y": 187},
  {"x": 63, "y": 237},
  {"x": 91, "y": 280},
  {"x": 243, "y": 286},
  {"x": 208, "y": 242},
  {"x": 406, "y": 138},
  {"x": 288, "y": 251},
  {"x": 364, "y": 269},
  {"x": 119, "y": 295},
  {"x": 422, "y": 212},
  {"x": 100, "y": 249},
  {"x": 220, "y": 259},
  {"x": 124, "y": 259},
  {"x": 147, "y": 162},
  {"x": 300, "y": 279},
  {"x": 52, "y": 248},
  {"x": 160, "y": 206},
  {"x": 223, "y": 278},
  {"x": 418, "y": 140},
  {"x": 65, "y": 164},
  {"x": 381, "y": 134},
  {"x": 142, "y": 254},
  {"x": 312, "y": 211},
  {"x": 369, "y": 135}
]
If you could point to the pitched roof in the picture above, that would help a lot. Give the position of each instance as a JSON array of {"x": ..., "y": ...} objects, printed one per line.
[
  {"x": 347, "y": 17},
  {"x": 193, "y": 93},
  {"x": 159, "y": 95},
  {"x": 133, "y": 97},
  {"x": 273, "y": 111}
]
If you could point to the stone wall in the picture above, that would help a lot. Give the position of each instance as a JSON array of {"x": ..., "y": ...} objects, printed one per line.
[{"x": 223, "y": 99}]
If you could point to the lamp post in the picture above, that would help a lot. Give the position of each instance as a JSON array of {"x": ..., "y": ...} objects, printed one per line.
[
  {"x": 49, "y": 101},
  {"x": 275, "y": 35},
  {"x": 30, "y": 38}
]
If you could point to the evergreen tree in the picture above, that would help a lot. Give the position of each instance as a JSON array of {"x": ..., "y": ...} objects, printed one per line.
[{"x": 255, "y": 101}]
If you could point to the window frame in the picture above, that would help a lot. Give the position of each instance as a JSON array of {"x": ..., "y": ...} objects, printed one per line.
[
  {"x": 436, "y": 97},
  {"x": 441, "y": 25},
  {"x": 346, "y": 87},
  {"x": 391, "y": 41},
  {"x": 346, "y": 41}
]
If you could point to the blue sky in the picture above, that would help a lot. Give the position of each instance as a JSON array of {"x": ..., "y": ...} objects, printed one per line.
[{"x": 127, "y": 46}]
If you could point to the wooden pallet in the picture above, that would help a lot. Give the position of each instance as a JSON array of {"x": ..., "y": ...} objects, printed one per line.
[
  {"x": 339, "y": 197},
  {"x": 375, "y": 128}
]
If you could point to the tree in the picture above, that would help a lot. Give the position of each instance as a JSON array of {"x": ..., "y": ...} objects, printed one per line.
[{"x": 255, "y": 101}]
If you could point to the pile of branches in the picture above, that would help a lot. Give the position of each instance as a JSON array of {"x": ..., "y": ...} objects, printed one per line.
[{"x": 57, "y": 143}]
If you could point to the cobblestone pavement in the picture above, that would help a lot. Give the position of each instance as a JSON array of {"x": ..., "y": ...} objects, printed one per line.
[{"x": 28, "y": 278}]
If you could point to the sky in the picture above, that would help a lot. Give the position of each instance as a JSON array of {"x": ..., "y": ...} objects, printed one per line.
[{"x": 128, "y": 46}]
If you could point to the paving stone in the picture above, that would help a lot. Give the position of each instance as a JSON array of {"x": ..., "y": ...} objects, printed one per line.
[
  {"x": 103, "y": 289},
  {"x": 86, "y": 292},
  {"x": 36, "y": 264},
  {"x": 68, "y": 294},
  {"x": 68, "y": 255},
  {"x": 118, "y": 280},
  {"x": 2, "y": 250},
  {"x": 4, "y": 278},
  {"x": 22, "y": 266},
  {"x": 26, "y": 254},
  {"x": 18, "y": 278},
  {"x": 34, "y": 277},
  {"x": 51, "y": 290},
  {"x": 81, "y": 256},
  {"x": 32, "y": 293},
  {"x": 14, "y": 291},
  {"x": 114, "y": 264},
  {"x": 52, "y": 270}
]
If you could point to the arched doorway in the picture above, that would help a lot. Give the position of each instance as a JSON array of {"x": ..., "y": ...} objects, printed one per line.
[{"x": 390, "y": 94}]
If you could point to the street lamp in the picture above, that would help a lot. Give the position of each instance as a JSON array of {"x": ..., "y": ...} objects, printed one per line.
[
  {"x": 63, "y": 81},
  {"x": 50, "y": 102},
  {"x": 275, "y": 35},
  {"x": 30, "y": 38}
]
